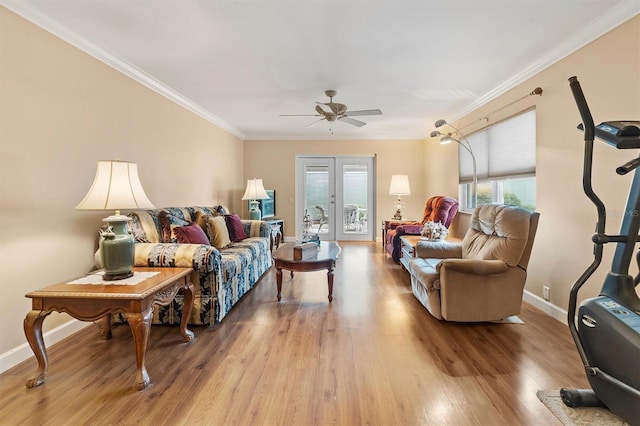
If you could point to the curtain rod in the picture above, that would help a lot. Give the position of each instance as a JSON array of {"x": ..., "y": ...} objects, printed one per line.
[{"x": 534, "y": 92}]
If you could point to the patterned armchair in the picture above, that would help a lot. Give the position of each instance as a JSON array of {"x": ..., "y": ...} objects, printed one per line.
[{"x": 437, "y": 209}]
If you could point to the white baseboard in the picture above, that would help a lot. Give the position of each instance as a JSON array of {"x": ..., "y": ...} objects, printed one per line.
[
  {"x": 546, "y": 307},
  {"x": 15, "y": 356}
]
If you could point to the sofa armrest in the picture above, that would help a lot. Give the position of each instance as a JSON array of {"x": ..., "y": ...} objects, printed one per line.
[
  {"x": 473, "y": 266},
  {"x": 391, "y": 225},
  {"x": 439, "y": 249},
  {"x": 409, "y": 229},
  {"x": 200, "y": 257},
  {"x": 256, "y": 228},
  {"x": 479, "y": 290}
]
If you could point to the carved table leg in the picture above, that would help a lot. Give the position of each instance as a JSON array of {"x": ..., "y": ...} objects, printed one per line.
[
  {"x": 33, "y": 332},
  {"x": 140, "y": 324},
  {"x": 279, "y": 281},
  {"x": 330, "y": 282},
  {"x": 105, "y": 327},
  {"x": 187, "y": 291}
]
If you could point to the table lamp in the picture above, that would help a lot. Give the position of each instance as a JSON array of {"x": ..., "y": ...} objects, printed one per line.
[
  {"x": 399, "y": 187},
  {"x": 254, "y": 192},
  {"x": 116, "y": 186}
]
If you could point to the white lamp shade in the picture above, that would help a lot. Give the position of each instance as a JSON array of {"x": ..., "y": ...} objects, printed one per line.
[
  {"x": 255, "y": 190},
  {"x": 399, "y": 185},
  {"x": 115, "y": 187}
]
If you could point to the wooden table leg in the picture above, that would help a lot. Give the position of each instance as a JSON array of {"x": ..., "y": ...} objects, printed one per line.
[
  {"x": 33, "y": 332},
  {"x": 105, "y": 327},
  {"x": 330, "y": 282},
  {"x": 140, "y": 324},
  {"x": 187, "y": 291},
  {"x": 279, "y": 282}
]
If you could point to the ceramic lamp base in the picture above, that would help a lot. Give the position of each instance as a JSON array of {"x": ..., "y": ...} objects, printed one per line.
[
  {"x": 117, "y": 249},
  {"x": 254, "y": 211}
]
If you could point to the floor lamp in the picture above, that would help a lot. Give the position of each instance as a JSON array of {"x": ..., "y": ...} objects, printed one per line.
[{"x": 448, "y": 138}]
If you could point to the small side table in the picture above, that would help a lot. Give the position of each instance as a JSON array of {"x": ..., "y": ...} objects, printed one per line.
[
  {"x": 389, "y": 224},
  {"x": 408, "y": 249},
  {"x": 277, "y": 231},
  {"x": 91, "y": 302}
]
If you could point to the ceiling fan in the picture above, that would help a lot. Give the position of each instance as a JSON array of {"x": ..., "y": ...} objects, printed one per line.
[{"x": 332, "y": 111}]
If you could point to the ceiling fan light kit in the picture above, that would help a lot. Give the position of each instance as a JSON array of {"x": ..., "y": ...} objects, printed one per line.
[{"x": 335, "y": 111}]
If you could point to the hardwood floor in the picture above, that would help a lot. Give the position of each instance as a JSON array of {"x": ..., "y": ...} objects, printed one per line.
[{"x": 374, "y": 356}]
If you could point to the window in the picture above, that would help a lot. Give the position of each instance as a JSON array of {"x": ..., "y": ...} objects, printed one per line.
[{"x": 505, "y": 164}]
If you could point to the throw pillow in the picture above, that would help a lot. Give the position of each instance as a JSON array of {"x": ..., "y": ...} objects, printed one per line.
[
  {"x": 191, "y": 234},
  {"x": 168, "y": 223},
  {"x": 135, "y": 228},
  {"x": 218, "y": 232},
  {"x": 234, "y": 225},
  {"x": 221, "y": 210},
  {"x": 201, "y": 219}
]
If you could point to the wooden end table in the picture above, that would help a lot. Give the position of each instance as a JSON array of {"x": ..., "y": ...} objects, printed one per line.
[
  {"x": 91, "y": 302},
  {"x": 325, "y": 259}
]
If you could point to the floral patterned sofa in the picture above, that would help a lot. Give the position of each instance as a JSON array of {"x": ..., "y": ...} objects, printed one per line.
[{"x": 221, "y": 276}]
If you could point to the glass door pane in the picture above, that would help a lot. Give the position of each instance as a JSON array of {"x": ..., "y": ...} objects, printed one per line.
[
  {"x": 318, "y": 198},
  {"x": 355, "y": 196},
  {"x": 354, "y": 201}
]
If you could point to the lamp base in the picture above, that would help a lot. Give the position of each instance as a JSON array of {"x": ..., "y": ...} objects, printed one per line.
[
  {"x": 398, "y": 215},
  {"x": 254, "y": 211},
  {"x": 117, "y": 249},
  {"x": 116, "y": 276}
]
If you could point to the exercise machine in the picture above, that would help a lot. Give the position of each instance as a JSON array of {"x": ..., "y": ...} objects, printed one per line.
[{"x": 607, "y": 334}]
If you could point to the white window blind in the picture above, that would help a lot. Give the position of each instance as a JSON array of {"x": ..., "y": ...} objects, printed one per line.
[{"x": 503, "y": 150}]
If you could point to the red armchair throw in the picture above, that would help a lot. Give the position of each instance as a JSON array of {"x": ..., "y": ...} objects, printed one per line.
[{"x": 437, "y": 209}]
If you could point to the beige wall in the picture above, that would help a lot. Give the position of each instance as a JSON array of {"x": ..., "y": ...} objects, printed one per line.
[
  {"x": 609, "y": 72},
  {"x": 60, "y": 112},
  {"x": 275, "y": 162}
]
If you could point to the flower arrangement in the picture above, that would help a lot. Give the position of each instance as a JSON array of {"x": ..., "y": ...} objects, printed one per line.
[{"x": 434, "y": 231}]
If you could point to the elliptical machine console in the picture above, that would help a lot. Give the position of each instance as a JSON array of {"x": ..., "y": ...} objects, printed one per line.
[{"x": 607, "y": 335}]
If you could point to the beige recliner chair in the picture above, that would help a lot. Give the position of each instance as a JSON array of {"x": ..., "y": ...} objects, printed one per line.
[{"x": 482, "y": 278}]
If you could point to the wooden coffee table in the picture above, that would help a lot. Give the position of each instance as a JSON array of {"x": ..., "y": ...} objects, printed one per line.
[
  {"x": 325, "y": 259},
  {"x": 91, "y": 302}
]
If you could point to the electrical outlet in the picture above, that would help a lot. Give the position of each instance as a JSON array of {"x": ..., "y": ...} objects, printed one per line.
[{"x": 546, "y": 292}]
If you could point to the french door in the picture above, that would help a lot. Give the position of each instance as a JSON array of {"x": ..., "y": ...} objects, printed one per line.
[{"x": 337, "y": 195}]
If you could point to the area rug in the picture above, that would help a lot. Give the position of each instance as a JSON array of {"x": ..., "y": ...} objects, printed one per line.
[{"x": 587, "y": 416}]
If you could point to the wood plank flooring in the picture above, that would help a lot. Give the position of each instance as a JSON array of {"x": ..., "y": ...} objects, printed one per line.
[{"x": 372, "y": 357}]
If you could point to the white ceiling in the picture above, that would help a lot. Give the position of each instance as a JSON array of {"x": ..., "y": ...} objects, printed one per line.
[{"x": 242, "y": 63}]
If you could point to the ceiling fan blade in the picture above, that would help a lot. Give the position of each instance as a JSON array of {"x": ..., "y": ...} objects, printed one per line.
[
  {"x": 299, "y": 115},
  {"x": 321, "y": 110},
  {"x": 314, "y": 123},
  {"x": 363, "y": 112},
  {"x": 352, "y": 121}
]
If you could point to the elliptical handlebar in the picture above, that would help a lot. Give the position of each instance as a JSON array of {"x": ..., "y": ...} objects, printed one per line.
[
  {"x": 589, "y": 132},
  {"x": 583, "y": 108}
]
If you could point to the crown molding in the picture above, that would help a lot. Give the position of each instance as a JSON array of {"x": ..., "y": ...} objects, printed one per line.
[
  {"x": 114, "y": 61},
  {"x": 614, "y": 17}
]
